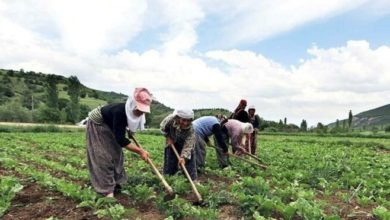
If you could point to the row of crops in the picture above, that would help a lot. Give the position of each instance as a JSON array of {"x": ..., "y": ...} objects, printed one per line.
[{"x": 307, "y": 178}]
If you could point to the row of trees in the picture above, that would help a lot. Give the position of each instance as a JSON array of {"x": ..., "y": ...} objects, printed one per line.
[
  {"x": 48, "y": 108},
  {"x": 56, "y": 112}
]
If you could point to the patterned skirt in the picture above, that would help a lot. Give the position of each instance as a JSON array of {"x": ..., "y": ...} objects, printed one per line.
[{"x": 105, "y": 158}]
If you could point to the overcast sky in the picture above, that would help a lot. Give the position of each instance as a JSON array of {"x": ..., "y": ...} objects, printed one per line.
[{"x": 299, "y": 59}]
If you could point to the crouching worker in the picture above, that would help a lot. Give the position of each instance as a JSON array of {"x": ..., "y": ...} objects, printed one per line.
[
  {"x": 106, "y": 130},
  {"x": 238, "y": 132},
  {"x": 205, "y": 127},
  {"x": 177, "y": 129}
]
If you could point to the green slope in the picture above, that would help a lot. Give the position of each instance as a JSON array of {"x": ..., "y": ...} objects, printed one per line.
[
  {"x": 378, "y": 117},
  {"x": 18, "y": 86}
]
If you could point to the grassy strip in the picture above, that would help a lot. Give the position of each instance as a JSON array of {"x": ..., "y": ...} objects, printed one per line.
[
  {"x": 308, "y": 134},
  {"x": 38, "y": 128}
]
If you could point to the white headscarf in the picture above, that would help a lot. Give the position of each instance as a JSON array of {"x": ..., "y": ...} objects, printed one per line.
[
  {"x": 184, "y": 113},
  {"x": 247, "y": 128},
  {"x": 133, "y": 122}
]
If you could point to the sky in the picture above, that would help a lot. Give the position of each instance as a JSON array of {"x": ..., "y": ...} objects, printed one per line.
[{"x": 312, "y": 60}]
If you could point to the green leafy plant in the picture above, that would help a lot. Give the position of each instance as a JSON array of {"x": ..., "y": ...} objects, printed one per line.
[{"x": 9, "y": 186}]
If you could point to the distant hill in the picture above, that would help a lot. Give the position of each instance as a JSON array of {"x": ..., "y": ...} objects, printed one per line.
[
  {"x": 17, "y": 84},
  {"x": 378, "y": 117},
  {"x": 28, "y": 89}
]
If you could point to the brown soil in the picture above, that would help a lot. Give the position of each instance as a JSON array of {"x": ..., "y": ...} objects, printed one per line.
[
  {"x": 351, "y": 211},
  {"x": 35, "y": 202},
  {"x": 228, "y": 212}
]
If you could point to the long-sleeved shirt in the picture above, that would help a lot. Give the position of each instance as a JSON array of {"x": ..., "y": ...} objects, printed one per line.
[
  {"x": 241, "y": 115},
  {"x": 255, "y": 121},
  {"x": 181, "y": 137},
  {"x": 235, "y": 132},
  {"x": 114, "y": 115},
  {"x": 208, "y": 125}
]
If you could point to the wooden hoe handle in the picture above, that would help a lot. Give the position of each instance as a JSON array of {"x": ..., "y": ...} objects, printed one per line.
[
  {"x": 155, "y": 170},
  {"x": 187, "y": 175}
]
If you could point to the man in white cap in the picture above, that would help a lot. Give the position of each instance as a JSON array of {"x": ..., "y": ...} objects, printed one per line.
[
  {"x": 178, "y": 130},
  {"x": 106, "y": 137},
  {"x": 255, "y": 121}
]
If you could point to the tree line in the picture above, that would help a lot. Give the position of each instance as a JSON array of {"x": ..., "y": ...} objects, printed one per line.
[{"x": 48, "y": 108}]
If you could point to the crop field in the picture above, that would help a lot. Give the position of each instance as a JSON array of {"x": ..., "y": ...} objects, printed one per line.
[{"x": 45, "y": 176}]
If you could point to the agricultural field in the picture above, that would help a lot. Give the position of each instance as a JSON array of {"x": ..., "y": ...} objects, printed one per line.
[{"x": 45, "y": 176}]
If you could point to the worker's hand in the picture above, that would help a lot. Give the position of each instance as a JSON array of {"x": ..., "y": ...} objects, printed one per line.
[
  {"x": 144, "y": 155},
  {"x": 182, "y": 161},
  {"x": 169, "y": 141},
  {"x": 240, "y": 151}
]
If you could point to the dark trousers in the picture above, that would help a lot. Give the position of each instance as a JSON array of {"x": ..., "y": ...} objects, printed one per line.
[
  {"x": 253, "y": 142},
  {"x": 200, "y": 151},
  {"x": 223, "y": 160},
  {"x": 171, "y": 162}
]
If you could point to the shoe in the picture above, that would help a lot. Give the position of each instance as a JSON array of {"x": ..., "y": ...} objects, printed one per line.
[
  {"x": 117, "y": 189},
  {"x": 196, "y": 182},
  {"x": 110, "y": 195}
]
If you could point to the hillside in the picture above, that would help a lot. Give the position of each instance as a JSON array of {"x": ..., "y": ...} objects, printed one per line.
[
  {"x": 378, "y": 117},
  {"x": 28, "y": 92}
]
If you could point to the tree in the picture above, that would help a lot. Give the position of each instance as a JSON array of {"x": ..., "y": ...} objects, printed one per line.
[
  {"x": 285, "y": 121},
  {"x": 350, "y": 116},
  {"x": 280, "y": 125},
  {"x": 73, "y": 109},
  {"x": 337, "y": 123},
  {"x": 28, "y": 99},
  {"x": 52, "y": 92},
  {"x": 94, "y": 94},
  {"x": 46, "y": 114},
  {"x": 62, "y": 103},
  {"x": 10, "y": 73},
  {"x": 148, "y": 119},
  {"x": 321, "y": 128},
  {"x": 387, "y": 129},
  {"x": 83, "y": 93},
  {"x": 303, "y": 125},
  {"x": 14, "y": 112},
  {"x": 84, "y": 110}
]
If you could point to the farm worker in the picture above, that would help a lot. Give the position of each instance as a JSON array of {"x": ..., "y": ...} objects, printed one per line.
[
  {"x": 240, "y": 113},
  {"x": 178, "y": 130},
  {"x": 237, "y": 132},
  {"x": 255, "y": 121},
  {"x": 205, "y": 127},
  {"x": 106, "y": 130}
]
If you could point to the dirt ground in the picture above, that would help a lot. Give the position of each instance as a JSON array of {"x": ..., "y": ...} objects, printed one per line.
[{"x": 37, "y": 202}]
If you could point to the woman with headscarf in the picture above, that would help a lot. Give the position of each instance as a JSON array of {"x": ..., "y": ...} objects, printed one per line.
[
  {"x": 179, "y": 133},
  {"x": 106, "y": 137},
  {"x": 240, "y": 113},
  {"x": 237, "y": 132}
]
